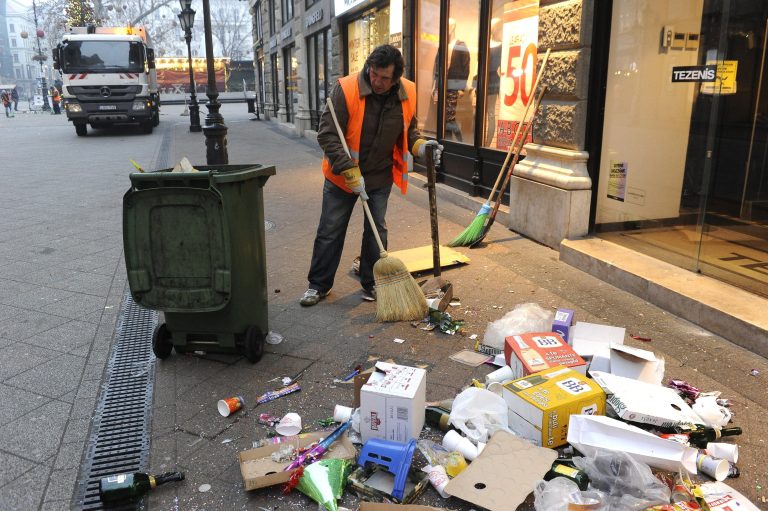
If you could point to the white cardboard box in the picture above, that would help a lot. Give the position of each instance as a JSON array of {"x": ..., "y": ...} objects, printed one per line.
[
  {"x": 593, "y": 343},
  {"x": 636, "y": 363},
  {"x": 392, "y": 403}
]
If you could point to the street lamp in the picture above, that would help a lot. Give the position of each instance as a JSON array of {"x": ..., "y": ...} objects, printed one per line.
[
  {"x": 215, "y": 130},
  {"x": 187, "y": 20},
  {"x": 41, "y": 58}
]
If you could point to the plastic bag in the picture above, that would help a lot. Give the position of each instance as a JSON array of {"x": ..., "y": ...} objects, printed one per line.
[
  {"x": 479, "y": 413},
  {"x": 525, "y": 317},
  {"x": 629, "y": 485},
  {"x": 714, "y": 415}
]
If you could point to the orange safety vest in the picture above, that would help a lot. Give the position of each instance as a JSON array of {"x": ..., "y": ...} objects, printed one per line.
[{"x": 401, "y": 157}]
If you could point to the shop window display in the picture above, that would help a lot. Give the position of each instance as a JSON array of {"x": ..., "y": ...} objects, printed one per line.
[
  {"x": 364, "y": 34},
  {"x": 426, "y": 53}
]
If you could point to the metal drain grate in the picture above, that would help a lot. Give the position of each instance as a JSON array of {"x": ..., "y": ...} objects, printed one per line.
[{"x": 119, "y": 440}]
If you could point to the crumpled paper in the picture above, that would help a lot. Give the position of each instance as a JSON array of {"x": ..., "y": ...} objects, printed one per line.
[{"x": 324, "y": 481}]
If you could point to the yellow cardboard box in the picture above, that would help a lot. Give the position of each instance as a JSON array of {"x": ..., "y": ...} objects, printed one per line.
[{"x": 540, "y": 404}]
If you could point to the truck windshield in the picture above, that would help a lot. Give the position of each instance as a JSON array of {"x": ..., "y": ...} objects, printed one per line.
[{"x": 102, "y": 57}]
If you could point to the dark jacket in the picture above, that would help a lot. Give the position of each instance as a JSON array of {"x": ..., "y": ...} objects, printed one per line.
[{"x": 382, "y": 129}]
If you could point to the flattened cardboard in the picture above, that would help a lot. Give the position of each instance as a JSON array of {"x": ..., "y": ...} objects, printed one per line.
[
  {"x": 420, "y": 258},
  {"x": 593, "y": 342},
  {"x": 470, "y": 358},
  {"x": 637, "y": 364},
  {"x": 637, "y": 401},
  {"x": 530, "y": 353},
  {"x": 375, "y": 506},
  {"x": 504, "y": 474},
  {"x": 259, "y": 470}
]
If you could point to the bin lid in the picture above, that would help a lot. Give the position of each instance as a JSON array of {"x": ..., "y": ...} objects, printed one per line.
[{"x": 177, "y": 248}]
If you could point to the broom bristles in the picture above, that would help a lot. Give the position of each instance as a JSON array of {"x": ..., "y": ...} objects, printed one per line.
[
  {"x": 398, "y": 296},
  {"x": 473, "y": 231}
]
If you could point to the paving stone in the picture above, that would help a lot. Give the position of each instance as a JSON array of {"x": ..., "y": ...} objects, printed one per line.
[
  {"x": 65, "y": 337},
  {"x": 53, "y": 378},
  {"x": 26, "y": 491},
  {"x": 18, "y": 357},
  {"x": 13, "y": 467},
  {"x": 77, "y": 306},
  {"x": 61, "y": 484},
  {"x": 36, "y": 435},
  {"x": 27, "y": 323}
]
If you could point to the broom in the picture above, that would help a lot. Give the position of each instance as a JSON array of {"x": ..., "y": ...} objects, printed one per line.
[
  {"x": 475, "y": 229},
  {"x": 398, "y": 296},
  {"x": 495, "y": 209}
]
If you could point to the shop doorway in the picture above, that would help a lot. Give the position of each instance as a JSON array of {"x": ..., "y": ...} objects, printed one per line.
[{"x": 684, "y": 164}]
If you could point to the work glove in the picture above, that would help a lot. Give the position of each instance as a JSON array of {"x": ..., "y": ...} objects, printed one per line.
[
  {"x": 436, "y": 153},
  {"x": 354, "y": 181}
]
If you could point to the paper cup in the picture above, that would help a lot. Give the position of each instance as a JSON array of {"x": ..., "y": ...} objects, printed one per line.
[
  {"x": 230, "y": 405},
  {"x": 723, "y": 451},
  {"x": 453, "y": 441},
  {"x": 499, "y": 375},
  {"x": 495, "y": 387},
  {"x": 342, "y": 413},
  {"x": 289, "y": 425},
  {"x": 714, "y": 468}
]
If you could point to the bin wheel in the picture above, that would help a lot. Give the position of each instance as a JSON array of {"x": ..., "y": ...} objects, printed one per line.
[
  {"x": 161, "y": 341},
  {"x": 253, "y": 344}
]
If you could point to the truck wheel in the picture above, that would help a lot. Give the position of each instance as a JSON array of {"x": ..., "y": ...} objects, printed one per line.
[
  {"x": 147, "y": 127},
  {"x": 81, "y": 129},
  {"x": 156, "y": 118}
]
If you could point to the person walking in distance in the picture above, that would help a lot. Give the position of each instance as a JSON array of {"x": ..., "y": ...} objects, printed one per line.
[
  {"x": 6, "y": 99},
  {"x": 376, "y": 111},
  {"x": 15, "y": 99},
  {"x": 56, "y": 100}
]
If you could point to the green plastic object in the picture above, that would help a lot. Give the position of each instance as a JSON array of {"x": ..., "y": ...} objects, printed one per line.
[{"x": 194, "y": 249}]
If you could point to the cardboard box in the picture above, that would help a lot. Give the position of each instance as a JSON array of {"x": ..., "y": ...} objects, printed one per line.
[
  {"x": 373, "y": 506},
  {"x": 562, "y": 323},
  {"x": 593, "y": 343},
  {"x": 375, "y": 484},
  {"x": 392, "y": 403},
  {"x": 637, "y": 401},
  {"x": 637, "y": 364},
  {"x": 533, "y": 352},
  {"x": 259, "y": 470},
  {"x": 540, "y": 405}
]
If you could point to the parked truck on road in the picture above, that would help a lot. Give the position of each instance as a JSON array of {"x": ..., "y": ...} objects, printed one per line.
[{"x": 109, "y": 77}]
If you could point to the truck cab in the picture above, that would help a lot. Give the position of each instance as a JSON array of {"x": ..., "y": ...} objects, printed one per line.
[{"x": 109, "y": 78}]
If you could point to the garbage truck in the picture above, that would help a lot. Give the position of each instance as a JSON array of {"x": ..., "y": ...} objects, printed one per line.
[{"x": 109, "y": 77}]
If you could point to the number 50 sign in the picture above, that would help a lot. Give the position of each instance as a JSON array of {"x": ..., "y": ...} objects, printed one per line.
[{"x": 518, "y": 62}]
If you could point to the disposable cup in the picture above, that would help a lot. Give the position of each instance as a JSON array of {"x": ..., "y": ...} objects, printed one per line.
[
  {"x": 289, "y": 425},
  {"x": 713, "y": 467},
  {"x": 453, "y": 441},
  {"x": 723, "y": 451},
  {"x": 342, "y": 413},
  {"x": 230, "y": 405},
  {"x": 499, "y": 375},
  {"x": 495, "y": 387}
]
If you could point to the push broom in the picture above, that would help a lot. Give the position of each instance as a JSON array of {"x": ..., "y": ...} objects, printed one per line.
[
  {"x": 398, "y": 296},
  {"x": 475, "y": 229}
]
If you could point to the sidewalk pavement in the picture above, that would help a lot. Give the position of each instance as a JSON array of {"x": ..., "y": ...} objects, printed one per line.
[{"x": 330, "y": 339}]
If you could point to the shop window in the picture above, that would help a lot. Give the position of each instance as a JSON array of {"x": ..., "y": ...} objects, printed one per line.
[
  {"x": 274, "y": 68},
  {"x": 364, "y": 34},
  {"x": 290, "y": 81},
  {"x": 426, "y": 54},
  {"x": 287, "y": 10},
  {"x": 511, "y": 68},
  {"x": 317, "y": 65}
]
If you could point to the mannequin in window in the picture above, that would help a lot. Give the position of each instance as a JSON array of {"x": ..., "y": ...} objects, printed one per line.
[
  {"x": 456, "y": 80},
  {"x": 494, "y": 78}
]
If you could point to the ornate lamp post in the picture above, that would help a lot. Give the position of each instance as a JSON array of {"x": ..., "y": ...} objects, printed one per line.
[
  {"x": 187, "y": 20},
  {"x": 215, "y": 130},
  {"x": 40, "y": 57}
]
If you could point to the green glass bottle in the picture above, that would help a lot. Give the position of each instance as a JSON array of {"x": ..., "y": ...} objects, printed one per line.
[
  {"x": 127, "y": 487},
  {"x": 437, "y": 418},
  {"x": 565, "y": 468},
  {"x": 699, "y": 437}
]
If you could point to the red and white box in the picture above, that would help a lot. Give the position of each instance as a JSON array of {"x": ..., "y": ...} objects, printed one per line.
[{"x": 536, "y": 351}]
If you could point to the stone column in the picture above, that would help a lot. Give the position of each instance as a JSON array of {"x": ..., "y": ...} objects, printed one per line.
[
  {"x": 303, "y": 121},
  {"x": 551, "y": 189}
]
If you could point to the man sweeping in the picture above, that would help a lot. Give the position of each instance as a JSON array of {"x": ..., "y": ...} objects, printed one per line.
[{"x": 376, "y": 109}]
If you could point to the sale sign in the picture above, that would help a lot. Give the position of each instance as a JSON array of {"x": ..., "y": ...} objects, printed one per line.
[{"x": 518, "y": 66}]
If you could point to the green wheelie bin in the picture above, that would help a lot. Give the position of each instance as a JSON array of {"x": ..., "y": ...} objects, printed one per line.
[{"x": 194, "y": 249}]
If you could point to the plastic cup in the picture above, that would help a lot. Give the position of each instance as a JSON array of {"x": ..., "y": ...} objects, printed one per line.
[
  {"x": 453, "y": 441},
  {"x": 713, "y": 467},
  {"x": 230, "y": 405},
  {"x": 342, "y": 413},
  {"x": 723, "y": 451},
  {"x": 499, "y": 375},
  {"x": 289, "y": 425}
]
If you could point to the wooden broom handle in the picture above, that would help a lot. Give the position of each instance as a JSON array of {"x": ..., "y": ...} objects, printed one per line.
[
  {"x": 346, "y": 149},
  {"x": 513, "y": 143}
]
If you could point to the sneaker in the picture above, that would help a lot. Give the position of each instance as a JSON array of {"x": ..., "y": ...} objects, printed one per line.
[
  {"x": 312, "y": 296},
  {"x": 356, "y": 266},
  {"x": 369, "y": 295}
]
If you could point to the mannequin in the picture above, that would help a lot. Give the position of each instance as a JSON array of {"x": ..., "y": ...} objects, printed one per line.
[
  {"x": 494, "y": 78},
  {"x": 457, "y": 75}
]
